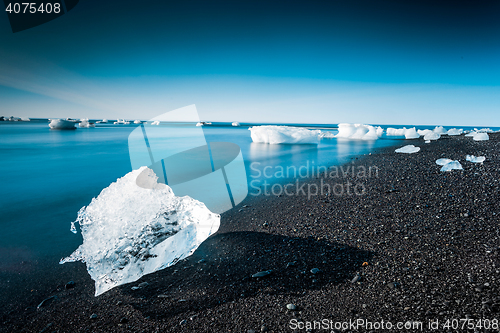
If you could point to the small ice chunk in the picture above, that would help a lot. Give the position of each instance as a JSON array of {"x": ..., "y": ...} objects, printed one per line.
[
  {"x": 359, "y": 131},
  {"x": 137, "y": 121},
  {"x": 284, "y": 135},
  {"x": 157, "y": 122},
  {"x": 235, "y": 124},
  {"x": 475, "y": 159},
  {"x": 443, "y": 161},
  {"x": 427, "y": 141},
  {"x": 453, "y": 165},
  {"x": 409, "y": 149},
  {"x": 137, "y": 226},
  {"x": 455, "y": 131},
  {"x": 481, "y": 136}
]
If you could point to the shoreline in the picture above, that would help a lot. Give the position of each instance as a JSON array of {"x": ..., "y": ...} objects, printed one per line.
[{"x": 423, "y": 234}]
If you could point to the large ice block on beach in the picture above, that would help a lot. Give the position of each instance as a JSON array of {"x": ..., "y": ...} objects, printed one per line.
[
  {"x": 326, "y": 135},
  {"x": 479, "y": 136},
  {"x": 475, "y": 159},
  {"x": 443, "y": 161},
  {"x": 431, "y": 136},
  {"x": 359, "y": 131},
  {"x": 137, "y": 226},
  {"x": 455, "y": 131},
  {"x": 409, "y": 149},
  {"x": 408, "y": 133},
  {"x": 284, "y": 135}
]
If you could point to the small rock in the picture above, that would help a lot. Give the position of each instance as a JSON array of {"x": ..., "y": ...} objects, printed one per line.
[
  {"x": 123, "y": 320},
  {"x": 291, "y": 307},
  {"x": 261, "y": 274},
  {"x": 251, "y": 331},
  {"x": 315, "y": 270},
  {"x": 143, "y": 284},
  {"x": 45, "y": 302},
  {"x": 392, "y": 285},
  {"x": 119, "y": 303},
  {"x": 356, "y": 278},
  {"x": 70, "y": 285},
  {"x": 183, "y": 322},
  {"x": 263, "y": 328},
  {"x": 93, "y": 316}
]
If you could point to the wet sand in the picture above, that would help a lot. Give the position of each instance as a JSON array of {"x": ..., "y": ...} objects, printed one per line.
[{"x": 418, "y": 245}]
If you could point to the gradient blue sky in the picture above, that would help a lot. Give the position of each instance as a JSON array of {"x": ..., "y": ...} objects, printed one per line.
[{"x": 379, "y": 62}]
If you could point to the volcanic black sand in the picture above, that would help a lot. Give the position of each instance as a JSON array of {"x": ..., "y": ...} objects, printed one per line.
[{"x": 419, "y": 245}]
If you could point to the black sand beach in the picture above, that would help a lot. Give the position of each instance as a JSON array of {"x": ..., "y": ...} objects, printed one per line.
[{"x": 420, "y": 245}]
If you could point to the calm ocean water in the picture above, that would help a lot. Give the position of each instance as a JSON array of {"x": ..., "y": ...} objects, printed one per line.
[{"x": 47, "y": 176}]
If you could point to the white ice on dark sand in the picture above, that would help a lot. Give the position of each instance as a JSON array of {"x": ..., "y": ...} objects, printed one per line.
[
  {"x": 283, "y": 135},
  {"x": 475, "y": 159},
  {"x": 455, "y": 131},
  {"x": 359, "y": 131},
  {"x": 479, "y": 136},
  {"x": 137, "y": 226},
  {"x": 448, "y": 164},
  {"x": 409, "y": 149}
]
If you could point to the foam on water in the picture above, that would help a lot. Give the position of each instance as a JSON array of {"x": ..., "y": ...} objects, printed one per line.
[{"x": 137, "y": 226}]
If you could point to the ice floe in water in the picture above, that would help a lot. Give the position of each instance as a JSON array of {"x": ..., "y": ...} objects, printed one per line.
[
  {"x": 408, "y": 133},
  {"x": 455, "y": 131},
  {"x": 326, "y": 135},
  {"x": 84, "y": 123},
  {"x": 157, "y": 122},
  {"x": 62, "y": 124},
  {"x": 359, "y": 131},
  {"x": 283, "y": 135},
  {"x": 448, "y": 164},
  {"x": 235, "y": 123},
  {"x": 475, "y": 159},
  {"x": 137, "y": 226},
  {"x": 409, "y": 149}
]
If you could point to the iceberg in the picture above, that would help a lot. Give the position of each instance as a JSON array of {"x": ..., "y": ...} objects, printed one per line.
[
  {"x": 408, "y": 133},
  {"x": 326, "y": 135},
  {"x": 137, "y": 226},
  {"x": 62, "y": 124},
  {"x": 84, "y": 123},
  {"x": 409, "y": 149},
  {"x": 453, "y": 165},
  {"x": 137, "y": 121},
  {"x": 157, "y": 122},
  {"x": 283, "y": 135},
  {"x": 235, "y": 123},
  {"x": 475, "y": 159},
  {"x": 455, "y": 131},
  {"x": 359, "y": 131}
]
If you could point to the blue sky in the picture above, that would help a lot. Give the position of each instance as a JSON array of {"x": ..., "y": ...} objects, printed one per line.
[{"x": 379, "y": 62}]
